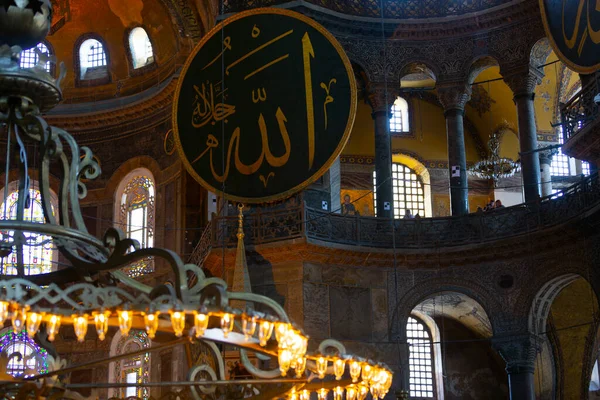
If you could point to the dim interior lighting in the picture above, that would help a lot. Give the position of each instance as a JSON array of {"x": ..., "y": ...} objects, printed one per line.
[
  {"x": 34, "y": 319},
  {"x": 322, "y": 393},
  {"x": 19, "y": 318},
  {"x": 80, "y": 325},
  {"x": 52, "y": 326},
  {"x": 265, "y": 330},
  {"x": 227, "y": 324},
  {"x": 339, "y": 366},
  {"x": 125, "y": 321},
  {"x": 101, "y": 323},
  {"x": 321, "y": 367},
  {"x": 200, "y": 323},
  {"x": 151, "y": 323},
  {"x": 4, "y": 311},
  {"x": 178, "y": 322},
  {"x": 248, "y": 326}
]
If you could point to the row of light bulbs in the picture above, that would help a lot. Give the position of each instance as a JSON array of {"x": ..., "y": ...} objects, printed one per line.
[{"x": 352, "y": 392}]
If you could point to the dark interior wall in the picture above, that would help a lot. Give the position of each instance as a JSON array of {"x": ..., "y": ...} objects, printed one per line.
[{"x": 472, "y": 369}]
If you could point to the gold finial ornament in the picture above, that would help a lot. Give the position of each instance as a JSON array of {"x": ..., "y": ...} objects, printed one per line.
[{"x": 240, "y": 232}]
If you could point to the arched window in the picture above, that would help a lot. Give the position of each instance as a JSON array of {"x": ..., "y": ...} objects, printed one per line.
[
  {"x": 92, "y": 60},
  {"x": 421, "y": 365},
  {"x": 399, "y": 121},
  {"x": 140, "y": 47},
  {"x": 131, "y": 370},
  {"x": 30, "y": 58},
  {"x": 135, "y": 214},
  {"x": 38, "y": 254},
  {"x": 33, "y": 358},
  {"x": 408, "y": 191}
]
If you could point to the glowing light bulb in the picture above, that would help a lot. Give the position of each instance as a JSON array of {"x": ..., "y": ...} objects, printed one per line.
[
  {"x": 227, "y": 324},
  {"x": 354, "y": 370},
  {"x": 322, "y": 393},
  {"x": 80, "y": 325},
  {"x": 281, "y": 331},
  {"x": 367, "y": 372},
  {"x": 305, "y": 395},
  {"x": 293, "y": 395},
  {"x": 33, "y": 322},
  {"x": 200, "y": 323},
  {"x": 375, "y": 391},
  {"x": 321, "y": 367},
  {"x": 52, "y": 326},
  {"x": 178, "y": 322},
  {"x": 248, "y": 327},
  {"x": 19, "y": 319},
  {"x": 338, "y": 393},
  {"x": 151, "y": 323},
  {"x": 4, "y": 310},
  {"x": 101, "y": 324},
  {"x": 125, "y": 321},
  {"x": 363, "y": 391},
  {"x": 265, "y": 330},
  {"x": 300, "y": 366},
  {"x": 284, "y": 358},
  {"x": 338, "y": 368},
  {"x": 351, "y": 393}
]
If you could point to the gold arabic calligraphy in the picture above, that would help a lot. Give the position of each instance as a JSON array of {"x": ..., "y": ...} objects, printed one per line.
[
  {"x": 205, "y": 109},
  {"x": 571, "y": 40}
]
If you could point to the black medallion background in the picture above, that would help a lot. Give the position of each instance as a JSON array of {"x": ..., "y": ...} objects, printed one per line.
[
  {"x": 573, "y": 27},
  {"x": 258, "y": 69}
]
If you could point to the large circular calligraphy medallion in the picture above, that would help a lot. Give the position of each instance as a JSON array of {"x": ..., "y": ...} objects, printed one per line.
[
  {"x": 573, "y": 28},
  {"x": 264, "y": 105}
]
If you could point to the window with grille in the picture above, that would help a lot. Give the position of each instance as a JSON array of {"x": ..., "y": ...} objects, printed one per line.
[
  {"x": 135, "y": 369},
  {"x": 38, "y": 254},
  {"x": 34, "y": 359},
  {"x": 399, "y": 121},
  {"x": 408, "y": 191},
  {"x": 421, "y": 360},
  {"x": 91, "y": 56},
  {"x": 140, "y": 47},
  {"x": 136, "y": 217},
  {"x": 30, "y": 58}
]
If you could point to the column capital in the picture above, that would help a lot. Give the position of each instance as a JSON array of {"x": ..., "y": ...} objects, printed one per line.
[
  {"x": 546, "y": 155},
  {"x": 522, "y": 81},
  {"x": 381, "y": 96},
  {"x": 453, "y": 96},
  {"x": 518, "y": 351}
]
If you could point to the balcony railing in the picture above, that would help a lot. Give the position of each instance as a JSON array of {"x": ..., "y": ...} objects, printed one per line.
[
  {"x": 581, "y": 110},
  {"x": 400, "y": 9},
  {"x": 299, "y": 221}
]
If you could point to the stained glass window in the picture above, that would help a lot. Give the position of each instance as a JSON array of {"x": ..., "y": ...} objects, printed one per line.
[
  {"x": 408, "y": 191},
  {"x": 33, "y": 357},
  {"x": 29, "y": 57},
  {"x": 421, "y": 360},
  {"x": 137, "y": 218},
  {"x": 399, "y": 121},
  {"x": 140, "y": 47},
  {"x": 135, "y": 369},
  {"x": 38, "y": 252}
]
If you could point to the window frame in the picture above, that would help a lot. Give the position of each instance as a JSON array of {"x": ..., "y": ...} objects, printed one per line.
[
  {"x": 51, "y": 66},
  {"x": 409, "y": 118},
  {"x": 81, "y": 82},
  {"x": 41, "y": 354},
  {"x": 120, "y": 369},
  {"x": 421, "y": 198},
  {"x": 146, "y": 68},
  {"x": 433, "y": 371}
]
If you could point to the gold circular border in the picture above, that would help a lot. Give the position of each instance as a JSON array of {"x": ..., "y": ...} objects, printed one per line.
[
  {"x": 575, "y": 67},
  {"x": 338, "y": 150},
  {"x": 169, "y": 132}
]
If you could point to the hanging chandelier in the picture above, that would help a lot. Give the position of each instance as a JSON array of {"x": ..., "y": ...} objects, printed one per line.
[
  {"x": 495, "y": 167},
  {"x": 91, "y": 292}
]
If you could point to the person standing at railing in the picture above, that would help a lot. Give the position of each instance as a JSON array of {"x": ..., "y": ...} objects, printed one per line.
[
  {"x": 348, "y": 208},
  {"x": 408, "y": 214}
]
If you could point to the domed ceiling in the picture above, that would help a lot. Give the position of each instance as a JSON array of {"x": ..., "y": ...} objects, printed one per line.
[{"x": 400, "y": 9}]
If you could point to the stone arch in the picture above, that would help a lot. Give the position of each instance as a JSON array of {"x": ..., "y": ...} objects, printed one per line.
[
  {"x": 118, "y": 345},
  {"x": 478, "y": 65},
  {"x": 540, "y": 52},
  {"x": 414, "y": 162},
  {"x": 125, "y": 168},
  {"x": 418, "y": 66}
]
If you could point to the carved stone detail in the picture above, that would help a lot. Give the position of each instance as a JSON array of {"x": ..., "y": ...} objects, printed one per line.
[
  {"x": 381, "y": 96},
  {"x": 453, "y": 96},
  {"x": 523, "y": 81}
]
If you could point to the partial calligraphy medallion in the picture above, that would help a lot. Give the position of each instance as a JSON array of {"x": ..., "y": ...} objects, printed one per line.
[{"x": 264, "y": 105}]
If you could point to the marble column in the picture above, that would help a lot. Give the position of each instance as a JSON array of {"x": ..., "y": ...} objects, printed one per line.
[
  {"x": 381, "y": 98},
  {"x": 519, "y": 351},
  {"x": 546, "y": 171},
  {"x": 522, "y": 83},
  {"x": 454, "y": 97}
]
